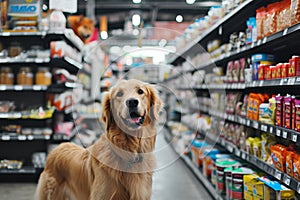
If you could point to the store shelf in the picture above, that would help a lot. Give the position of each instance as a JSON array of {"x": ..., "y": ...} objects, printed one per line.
[
  {"x": 62, "y": 87},
  {"x": 61, "y": 137},
  {"x": 278, "y": 131},
  {"x": 233, "y": 14},
  {"x": 262, "y": 165},
  {"x": 23, "y": 88},
  {"x": 68, "y": 36},
  {"x": 23, "y": 170},
  {"x": 275, "y": 83},
  {"x": 23, "y": 137},
  {"x": 202, "y": 178},
  {"x": 67, "y": 63},
  {"x": 25, "y": 60}
]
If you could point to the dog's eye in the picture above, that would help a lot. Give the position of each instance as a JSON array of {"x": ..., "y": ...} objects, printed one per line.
[
  {"x": 140, "y": 91},
  {"x": 119, "y": 94}
]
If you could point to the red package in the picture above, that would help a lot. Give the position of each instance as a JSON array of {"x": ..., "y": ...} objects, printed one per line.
[
  {"x": 279, "y": 111},
  {"x": 284, "y": 70},
  {"x": 288, "y": 111},
  {"x": 297, "y": 114},
  {"x": 294, "y": 69}
]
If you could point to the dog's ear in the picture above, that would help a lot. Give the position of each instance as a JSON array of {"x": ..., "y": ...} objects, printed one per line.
[
  {"x": 156, "y": 103},
  {"x": 106, "y": 111}
]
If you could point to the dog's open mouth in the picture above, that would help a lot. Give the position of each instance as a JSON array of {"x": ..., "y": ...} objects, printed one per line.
[{"x": 134, "y": 120}]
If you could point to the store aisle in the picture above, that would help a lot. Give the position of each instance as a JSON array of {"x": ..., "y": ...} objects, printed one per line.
[{"x": 174, "y": 181}]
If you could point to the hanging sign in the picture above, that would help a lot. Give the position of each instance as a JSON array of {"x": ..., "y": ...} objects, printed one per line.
[{"x": 69, "y": 6}]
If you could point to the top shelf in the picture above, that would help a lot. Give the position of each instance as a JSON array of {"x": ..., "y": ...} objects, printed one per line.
[
  {"x": 233, "y": 15},
  {"x": 68, "y": 35}
]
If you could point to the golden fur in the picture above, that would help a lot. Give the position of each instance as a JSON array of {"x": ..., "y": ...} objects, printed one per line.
[{"x": 109, "y": 169}]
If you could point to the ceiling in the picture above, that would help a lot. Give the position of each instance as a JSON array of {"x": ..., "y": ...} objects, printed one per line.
[{"x": 118, "y": 11}]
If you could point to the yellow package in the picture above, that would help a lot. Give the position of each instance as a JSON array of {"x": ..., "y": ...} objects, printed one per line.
[
  {"x": 249, "y": 145},
  {"x": 258, "y": 190},
  {"x": 249, "y": 181},
  {"x": 257, "y": 147}
]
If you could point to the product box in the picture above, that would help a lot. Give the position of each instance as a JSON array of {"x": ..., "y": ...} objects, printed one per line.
[
  {"x": 258, "y": 190},
  {"x": 208, "y": 161},
  {"x": 23, "y": 15},
  {"x": 297, "y": 114},
  {"x": 197, "y": 149},
  {"x": 249, "y": 181},
  {"x": 284, "y": 70},
  {"x": 279, "y": 110},
  {"x": 294, "y": 69},
  {"x": 237, "y": 189},
  {"x": 274, "y": 190}
]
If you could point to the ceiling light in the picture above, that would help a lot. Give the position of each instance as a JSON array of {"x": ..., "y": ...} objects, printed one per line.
[
  {"x": 179, "y": 18},
  {"x": 136, "y": 20},
  {"x": 136, "y": 1},
  {"x": 190, "y": 1},
  {"x": 103, "y": 35}
]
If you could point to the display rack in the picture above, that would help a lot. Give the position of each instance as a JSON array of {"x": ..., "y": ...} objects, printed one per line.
[
  {"x": 283, "y": 44},
  {"x": 16, "y": 146}
]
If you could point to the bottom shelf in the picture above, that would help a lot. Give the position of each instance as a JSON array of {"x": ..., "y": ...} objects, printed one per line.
[
  {"x": 25, "y": 174},
  {"x": 207, "y": 184}
]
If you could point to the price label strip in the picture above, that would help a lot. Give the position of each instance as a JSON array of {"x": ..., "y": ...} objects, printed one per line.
[
  {"x": 278, "y": 174},
  {"x": 294, "y": 137},
  {"x": 284, "y": 134},
  {"x": 278, "y": 132},
  {"x": 287, "y": 180}
]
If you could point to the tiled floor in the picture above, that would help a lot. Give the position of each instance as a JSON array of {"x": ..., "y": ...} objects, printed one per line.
[{"x": 172, "y": 181}]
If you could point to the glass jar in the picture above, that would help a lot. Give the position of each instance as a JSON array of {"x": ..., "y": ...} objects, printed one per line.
[
  {"x": 25, "y": 76},
  {"x": 6, "y": 76},
  {"x": 43, "y": 76},
  {"x": 14, "y": 49}
]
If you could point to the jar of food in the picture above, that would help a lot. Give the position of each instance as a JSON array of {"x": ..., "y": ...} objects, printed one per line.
[
  {"x": 6, "y": 76},
  {"x": 25, "y": 76},
  {"x": 14, "y": 49},
  {"x": 43, "y": 76}
]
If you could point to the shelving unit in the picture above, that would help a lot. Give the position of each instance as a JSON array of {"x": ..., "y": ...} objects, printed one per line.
[
  {"x": 31, "y": 143},
  {"x": 282, "y": 44}
]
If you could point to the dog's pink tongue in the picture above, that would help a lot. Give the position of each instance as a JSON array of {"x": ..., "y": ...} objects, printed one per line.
[{"x": 134, "y": 120}]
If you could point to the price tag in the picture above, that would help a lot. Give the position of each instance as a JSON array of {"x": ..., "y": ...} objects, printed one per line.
[
  {"x": 278, "y": 132},
  {"x": 18, "y": 87},
  {"x": 287, "y": 180},
  {"x": 278, "y": 174},
  {"x": 285, "y": 32},
  {"x": 39, "y": 60},
  {"x": 230, "y": 148},
  {"x": 252, "y": 45},
  {"x": 298, "y": 79},
  {"x": 21, "y": 137},
  {"x": 284, "y": 134},
  {"x": 5, "y": 137},
  {"x": 264, "y": 40},
  {"x": 281, "y": 81},
  {"x": 253, "y": 83},
  {"x": 2, "y": 87},
  {"x": 264, "y": 128},
  {"x": 243, "y": 156},
  {"x": 291, "y": 81},
  {"x": 298, "y": 188},
  {"x": 255, "y": 125},
  {"x": 248, "y": 122},
  {"x": 258, "y": 42},
  {"x": 271, "y": 129},
  {"x": 261, "y": 83},
  {"x": 294, "y": 137},
  {"x": 30, "y": 137},
  {"x": 237, "y": 152},
  {"x": 37, "y": 87}
]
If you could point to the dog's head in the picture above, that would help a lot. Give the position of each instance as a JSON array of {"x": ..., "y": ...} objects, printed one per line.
[{"x": 131, "y": 105}]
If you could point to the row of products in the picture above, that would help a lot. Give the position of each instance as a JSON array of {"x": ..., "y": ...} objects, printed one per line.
[
  {"x": 264, "y": 68},
  {"x": 18, "y": 129},
  {"x": 286, "y": 159},
  {"x": 200, "y": 25},
  {"x": 25, "y": 76},
  {"x": 233, "y": 178},
  {"x": 276, "y": 17},
  {"x": 235, "y": 72},
  {"x": 11, "y": 164}
]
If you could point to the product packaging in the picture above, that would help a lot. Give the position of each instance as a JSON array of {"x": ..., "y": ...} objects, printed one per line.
[
  {"x": 274, "y": 190},
  {"x": 294, "y": 69},
  {"x": 295, "y": 11},
  {"x": 260, "y": 18},
  {"x": 237, "y": 182},
  {"x": 278, "y": 155},
  {"x": 197, "y": 150},
  {"x": 296, "y": 112},
  {"x": 279, "y": 110}
]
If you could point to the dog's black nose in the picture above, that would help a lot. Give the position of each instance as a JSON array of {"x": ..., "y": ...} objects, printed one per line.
[{"x": 132, "y": 103}]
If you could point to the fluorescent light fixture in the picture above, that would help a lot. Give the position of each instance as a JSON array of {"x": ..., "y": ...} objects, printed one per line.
[
  {"x": 179, "y": 18},
  {"x": 136, "y": 1},
  {"x": 136, "y": 20},
  {"x": 190, "y": 1},
  {"x": 103, "y": 35}
]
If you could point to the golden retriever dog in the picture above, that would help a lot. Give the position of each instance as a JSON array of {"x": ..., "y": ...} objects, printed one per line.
[{"x": 120, "y": 164}]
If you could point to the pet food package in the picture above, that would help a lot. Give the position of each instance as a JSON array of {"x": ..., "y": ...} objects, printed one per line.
[
  {"x": 296, "y": 112},
  {"x": 263, "y": 60},
  {"x": 279, "y": 110},
  {"x": 288, "y": 111},
  {"x": 295, "y": 11},
  {"x": 278, "y": 155},
  {"x": 221, "y": 166},
  {"x": 237, "y": 187},
  {"x": 294, "y": 69},
  {"x": 197, "y": 150},
  {"x": 275, "y": 190}
]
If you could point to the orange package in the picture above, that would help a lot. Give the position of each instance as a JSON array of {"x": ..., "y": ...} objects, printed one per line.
[
  {"x": 295, "y": 11},
  {"x": 271, "y": 18},
  {"x": 260, "y": 18},
  {"x": 250, "y": 106},
  {"x": 284, "y": 15},
  {"x": 278, "y": 155},
  {"x": 289, "y": 163},
  {"x": 296, "y": 167}
]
